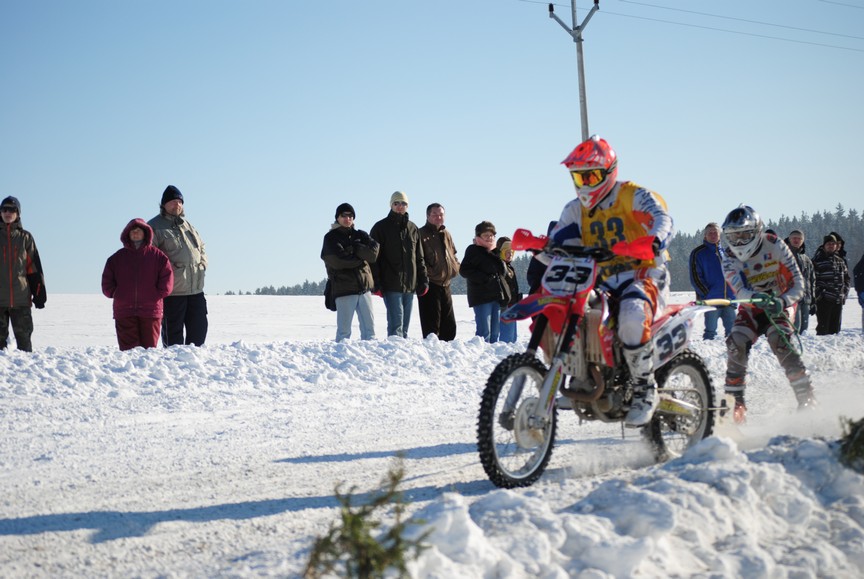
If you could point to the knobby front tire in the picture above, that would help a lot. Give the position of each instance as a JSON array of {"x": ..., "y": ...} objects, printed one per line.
[{"x": 514, "y": 452}]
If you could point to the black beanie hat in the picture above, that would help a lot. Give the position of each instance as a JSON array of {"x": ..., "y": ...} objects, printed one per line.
[
  {"x": 12, "y": 201},
  {"x": 345, "y": 208},
  {"x": 171, "y": 192}
]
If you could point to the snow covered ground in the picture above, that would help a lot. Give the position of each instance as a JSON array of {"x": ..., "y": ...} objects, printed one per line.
[{"x": 222, "y": 460}]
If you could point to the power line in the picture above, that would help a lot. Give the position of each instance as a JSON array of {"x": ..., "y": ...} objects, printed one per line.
[
  {"x": 842, "y": 4},
  {"x": 744, "y": 19},
  {"x": 715, "y": 29},
  {"x": 736, "y": 32}
]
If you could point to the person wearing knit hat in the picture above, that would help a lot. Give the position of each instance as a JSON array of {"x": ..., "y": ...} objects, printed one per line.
[
  {"x": 185, "y": 310},
  {"x": 806, "y": 307},
  {"x": 484, "y": 271},
  {"x": 171, "y": 192},
  {"x": 345, "y": 208},
  {"x": 400, "y": 270},
  {"x": 399, "y": 197},
  {"x": 505, "y": 252},
  {"x": 832, "y": 285},
  {"x": 348, "y": 254},
  {"x": 22, "y": 283}
]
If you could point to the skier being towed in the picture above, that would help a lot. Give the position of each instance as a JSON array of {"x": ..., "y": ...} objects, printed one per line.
[
  {"x": 761, "y": 267},
  {"x": 607, "y": 212}
]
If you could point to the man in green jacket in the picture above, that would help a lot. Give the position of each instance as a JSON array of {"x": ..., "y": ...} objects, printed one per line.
[
  {"x": 21, "y": 280},
  {"x": 400, "y": 270},
  {"x": 186, "y": 307}
]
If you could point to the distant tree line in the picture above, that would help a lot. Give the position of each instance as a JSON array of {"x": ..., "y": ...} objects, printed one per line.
[{"x": 848, "y": 223}]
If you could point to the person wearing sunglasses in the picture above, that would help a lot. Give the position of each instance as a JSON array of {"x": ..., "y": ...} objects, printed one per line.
[
  {"x": 605, "y": 212},
  {"x": 400, "y": 270},
  {"x": 22, "y": 282}
]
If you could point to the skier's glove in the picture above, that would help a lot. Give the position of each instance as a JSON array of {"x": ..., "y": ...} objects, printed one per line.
[
  {"x": 813, "y": 309},
  {"x": 768, "y": 303}
]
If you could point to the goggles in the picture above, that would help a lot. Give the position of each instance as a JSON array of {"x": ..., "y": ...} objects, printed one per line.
[
  {"x": 9, "y": 209},
  {"x": 741, "y": 237},
  {"x": 588, "y": 177}
]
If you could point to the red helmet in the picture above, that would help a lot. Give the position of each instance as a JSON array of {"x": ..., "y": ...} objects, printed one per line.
[{"x": 594, "y": 168}]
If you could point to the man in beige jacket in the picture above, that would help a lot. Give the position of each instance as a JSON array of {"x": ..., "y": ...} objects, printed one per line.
[{"x": 186, "y": 307}]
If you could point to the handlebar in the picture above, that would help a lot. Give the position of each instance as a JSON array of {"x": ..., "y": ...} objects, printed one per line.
[
  {"x": 596, "y": 253},
  {"x": 640, "y": 248}
]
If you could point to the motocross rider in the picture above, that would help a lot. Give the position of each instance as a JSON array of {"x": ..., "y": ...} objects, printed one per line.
[
  {"x": 761, "y": 267},
  {"x": 606, "y": 212}
]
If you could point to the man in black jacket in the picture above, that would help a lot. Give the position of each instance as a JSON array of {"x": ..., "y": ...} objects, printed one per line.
[
  {"x": 401, "y": 269},
  {"x": 347, "y": 253}
]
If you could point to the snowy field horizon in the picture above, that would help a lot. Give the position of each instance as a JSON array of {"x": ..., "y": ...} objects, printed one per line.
[{"x": 221, "y": 461}]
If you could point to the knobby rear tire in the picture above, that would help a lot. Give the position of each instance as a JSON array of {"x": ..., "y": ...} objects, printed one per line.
[
  {"x": 518, "y": 456},
  {"x": 689, "y": 380}
]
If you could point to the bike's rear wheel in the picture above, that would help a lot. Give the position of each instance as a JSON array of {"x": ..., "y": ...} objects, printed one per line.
[
  {"x": 513, "y": 449},
  {"x": 685, "y": 378}
]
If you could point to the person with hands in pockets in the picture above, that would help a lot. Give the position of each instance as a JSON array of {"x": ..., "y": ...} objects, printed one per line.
[{"x": 760, "y": 267}]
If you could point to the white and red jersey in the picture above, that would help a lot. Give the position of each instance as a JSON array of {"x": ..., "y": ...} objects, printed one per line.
[{"x": 772, "y": 269}]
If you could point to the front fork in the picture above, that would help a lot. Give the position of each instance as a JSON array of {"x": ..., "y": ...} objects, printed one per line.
[{"x": 554, "y": 377}]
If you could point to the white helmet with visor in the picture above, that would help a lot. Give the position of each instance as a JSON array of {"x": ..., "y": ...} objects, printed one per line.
[{"x": 742, "y": 232}]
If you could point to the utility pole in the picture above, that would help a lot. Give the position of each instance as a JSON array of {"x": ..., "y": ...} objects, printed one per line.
[{"x": 576, "y": 34}]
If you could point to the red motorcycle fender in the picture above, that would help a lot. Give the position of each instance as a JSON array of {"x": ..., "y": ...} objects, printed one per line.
[{"x": 555, "y": 308}]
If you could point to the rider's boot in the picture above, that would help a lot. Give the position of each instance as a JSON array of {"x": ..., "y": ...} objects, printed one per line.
[
  {"x": 735, "y": 387},
  {"x": 803, "y": 390},
  {"x": 739, "y": 414},
  {"x": 640, "y": 360}
]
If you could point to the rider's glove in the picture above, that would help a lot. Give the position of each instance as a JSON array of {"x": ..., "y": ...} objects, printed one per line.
[{"x": 768, "y": 303}]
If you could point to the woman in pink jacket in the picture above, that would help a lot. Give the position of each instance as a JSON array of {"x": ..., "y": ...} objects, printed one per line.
[{"x": 137, "y": 278}]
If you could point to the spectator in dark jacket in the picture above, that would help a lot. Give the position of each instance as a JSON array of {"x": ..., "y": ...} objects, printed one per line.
[
  {"x": 442, "y": 265},
  {"x": 487, "y": 291},
  {"x": 859, "y": 286},
  {"x": 807, "y": 306},
  {"x": 137, "y": 277},
  {"x": 706, "y": 277},
  {"x": 505, "y": 252},
  {"x": 347, "y": 253},
  {"x": 21, "y": 280},
  {"x": 832, "y": 286},
  {"x": 401, "y": 269}
]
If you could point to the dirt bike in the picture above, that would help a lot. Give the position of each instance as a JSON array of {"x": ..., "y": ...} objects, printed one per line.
[{"x": 584, "y": 369}]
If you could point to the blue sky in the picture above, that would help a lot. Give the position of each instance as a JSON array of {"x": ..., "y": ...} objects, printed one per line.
[{"x": 268, "y": 114}]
